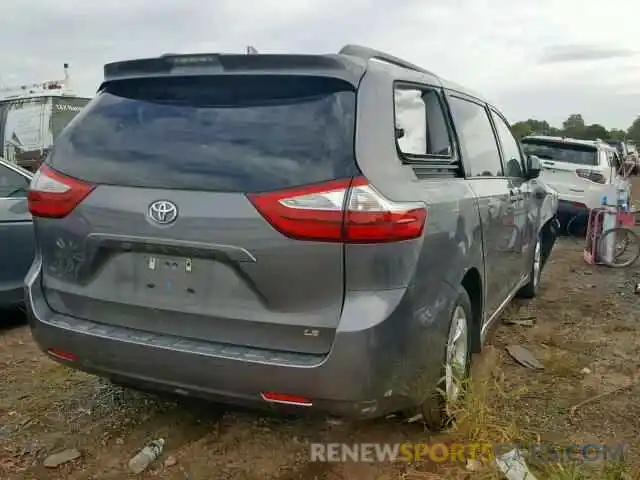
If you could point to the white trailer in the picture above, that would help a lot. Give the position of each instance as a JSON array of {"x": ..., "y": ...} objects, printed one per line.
[{"x": 32, "y": 116}]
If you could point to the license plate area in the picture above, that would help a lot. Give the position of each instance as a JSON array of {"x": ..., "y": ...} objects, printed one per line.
[{"x": 165, "y": 275}]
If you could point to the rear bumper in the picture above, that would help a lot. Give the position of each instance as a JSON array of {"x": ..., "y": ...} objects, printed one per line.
[{"x": 378, "y": 351}]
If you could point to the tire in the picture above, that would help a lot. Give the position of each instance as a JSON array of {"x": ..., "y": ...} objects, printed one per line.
[
  {"x": 438, "y": 411},
  {"x": 530, "y": 290},
  {"x": 632, "y": 246}
]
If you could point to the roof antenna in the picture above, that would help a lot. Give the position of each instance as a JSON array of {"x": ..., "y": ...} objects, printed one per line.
[{"x": 251, "y": 50}]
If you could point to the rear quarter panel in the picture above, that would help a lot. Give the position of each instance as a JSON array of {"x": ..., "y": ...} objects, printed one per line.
[
  {"x": 426, "y": 270},
  {"x": 451, "y": 243}
]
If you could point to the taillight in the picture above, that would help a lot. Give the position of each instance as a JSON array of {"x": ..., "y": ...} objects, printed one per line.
[
  {"x": 591, "y": 175},
  {"x": 54, "y": 195},
  {"x": 62, "y": 355},
  {"x": 286, "y": 399},
  {"x": 349, "y": 211}
]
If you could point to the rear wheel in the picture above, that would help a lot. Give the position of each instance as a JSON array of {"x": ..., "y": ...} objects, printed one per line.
[{"x": 439, "y": 410}]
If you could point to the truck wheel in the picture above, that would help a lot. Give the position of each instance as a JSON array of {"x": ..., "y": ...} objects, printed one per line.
[
  {"x": 530, "y": 290},
  {"x": 438, "y": 411}
]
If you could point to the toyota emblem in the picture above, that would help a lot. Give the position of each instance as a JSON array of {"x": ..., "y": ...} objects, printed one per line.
[{"x": 163, "y": 212}]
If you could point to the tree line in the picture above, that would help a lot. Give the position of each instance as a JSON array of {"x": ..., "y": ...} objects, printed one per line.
[{"x": 575, "y": 127}]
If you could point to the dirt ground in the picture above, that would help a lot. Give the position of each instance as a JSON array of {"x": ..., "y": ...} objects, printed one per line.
[{"x": 585, "y": 332}]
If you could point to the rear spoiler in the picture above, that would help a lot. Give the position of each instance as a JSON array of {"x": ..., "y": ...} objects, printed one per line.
[{"x": 335, "y": 66}]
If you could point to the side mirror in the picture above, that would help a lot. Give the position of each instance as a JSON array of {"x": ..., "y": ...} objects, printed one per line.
[{"x": 533, "y": 167}]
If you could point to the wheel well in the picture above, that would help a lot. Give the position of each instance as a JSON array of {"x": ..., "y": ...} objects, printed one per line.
[{"x": 472, "y": 283}]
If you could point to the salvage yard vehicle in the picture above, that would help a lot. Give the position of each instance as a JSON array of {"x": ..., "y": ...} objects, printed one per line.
[
  {"x": 16, "y": 233},
  {"x": 315, "y": 232},
  {"x": 582, "y": 172}
]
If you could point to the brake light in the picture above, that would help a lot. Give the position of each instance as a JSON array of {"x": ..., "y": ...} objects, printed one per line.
[
  {"x": 62, "y": 355},
  {"x": 591, "y": 175},
  {"x": 286, "y": 399},
  {"x": 348, "y": 211},
  {"x": 54, "y": 195}
]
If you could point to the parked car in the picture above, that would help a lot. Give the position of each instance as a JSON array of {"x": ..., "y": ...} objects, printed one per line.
[
  {"x": 581, "y": 171},
  {"x": 16, "y": 233},
  {"x": 253, "y": 229}
]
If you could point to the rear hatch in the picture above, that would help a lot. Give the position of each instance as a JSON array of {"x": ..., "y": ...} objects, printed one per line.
[
  {"x": 572, "y": 169},
  {"x": 165, "y": 188}
]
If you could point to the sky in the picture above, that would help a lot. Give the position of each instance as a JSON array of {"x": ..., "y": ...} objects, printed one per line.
[{"x": 545, "y": 59}]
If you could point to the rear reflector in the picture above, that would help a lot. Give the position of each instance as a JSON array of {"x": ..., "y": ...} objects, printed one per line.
[
  {"x": 286, "y": 399},
  {"x": 348, "y": 211},
  {"x": 61, "y": 355},
  {"x": 54, "y": 195}
]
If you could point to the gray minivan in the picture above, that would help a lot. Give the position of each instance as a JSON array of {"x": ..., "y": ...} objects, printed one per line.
[{"x": 317, "y": 232}]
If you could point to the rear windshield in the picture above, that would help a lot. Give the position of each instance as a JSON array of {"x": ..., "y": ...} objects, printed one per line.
[
  {"x": 228, "y": 134},
  {"x": 561, "y": 152}
]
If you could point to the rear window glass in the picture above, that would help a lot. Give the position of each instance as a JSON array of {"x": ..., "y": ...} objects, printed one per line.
[
  {"x": 229, "y": 134},
  {"x": 561, "y": 152}
]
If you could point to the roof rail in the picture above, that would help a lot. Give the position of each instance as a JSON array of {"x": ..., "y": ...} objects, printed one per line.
[{"x": 367, "y": 53}]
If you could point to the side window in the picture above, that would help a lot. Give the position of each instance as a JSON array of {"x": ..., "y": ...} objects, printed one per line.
[
  {"x": 477, "y": 139},
  {"x": 12, "y": 184},
  {"x": 510, "y": 147},
  {"x": 421, "y": 126}
]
